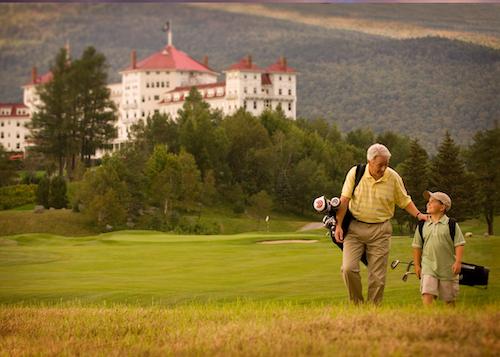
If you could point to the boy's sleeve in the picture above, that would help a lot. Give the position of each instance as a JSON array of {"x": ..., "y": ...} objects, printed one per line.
[
  {"x": 349, "y": 183},
  {"x": 459, "y": 237},
  {"x": 417, "y": 240}
]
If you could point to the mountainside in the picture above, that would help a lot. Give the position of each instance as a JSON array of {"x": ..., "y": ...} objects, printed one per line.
[{"x": 417, "y": 86}]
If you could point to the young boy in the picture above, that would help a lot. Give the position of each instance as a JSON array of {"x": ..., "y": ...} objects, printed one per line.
[{"x": 438, "y": 257}]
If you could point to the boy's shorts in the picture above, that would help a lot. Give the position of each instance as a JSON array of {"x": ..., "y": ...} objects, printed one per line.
[{"x": 447, "y": 290}]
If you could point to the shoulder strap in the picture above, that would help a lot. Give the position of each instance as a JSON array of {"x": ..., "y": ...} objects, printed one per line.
[
  {"x": 360, "y": 171},
  {"x": 421, "y": 231},
  {"x": 452, "y": 223}
]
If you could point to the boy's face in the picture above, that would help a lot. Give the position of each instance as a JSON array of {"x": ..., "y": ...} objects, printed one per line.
[{"x": 435, "y": 206}]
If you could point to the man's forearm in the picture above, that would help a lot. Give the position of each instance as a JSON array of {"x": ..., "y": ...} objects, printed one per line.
[
  {"x": 344, "y": 202},
  {"x": 413, "y": 210}
]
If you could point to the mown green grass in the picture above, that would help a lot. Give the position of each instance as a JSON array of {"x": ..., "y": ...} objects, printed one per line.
[{"x": 153, "y": 268}]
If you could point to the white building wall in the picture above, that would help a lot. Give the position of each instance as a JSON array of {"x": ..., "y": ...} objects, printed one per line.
[{"x": 13, "y": 129}]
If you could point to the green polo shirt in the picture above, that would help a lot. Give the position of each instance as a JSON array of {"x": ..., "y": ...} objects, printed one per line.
[{"x": 438, "y": 254}]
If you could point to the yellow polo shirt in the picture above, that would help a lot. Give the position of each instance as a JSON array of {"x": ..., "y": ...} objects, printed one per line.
[{"x": 374, "y": 200}]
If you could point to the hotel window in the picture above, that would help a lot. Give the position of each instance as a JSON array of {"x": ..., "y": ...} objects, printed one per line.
[
  {"x": 163, "y": 84},
  {"x": 157, "y": 111},
  {"x": 168, "y": 84},
  {"x": 280, "y": 78},
  {"x": 157, "y": 97},
  {"x": 18, "y": 123},
  {"x": 1, "y": 124},
  {"x": 290, "y": 107},
  {"x": 143, "y": 114},
  {"x": 18, "y": 146},
  {"x": 279, "y": 91},
  {"x": 245, "y": 90},
  {"x": 289, "y": 92},
  {"x": 245, "y": 76},
  {"x": 147, "y": 84},
  {"x": 1, "y": 135},
  {"x": 147, "y": 73},
  {"x": 157, "y": 84},
  {"x": 255, "y": 91},
  {"x": 143, "y": 99},
  {"x": 17, "y": 135},
  {"x": 254, "y": 105},
  {"x": 254, "y": 77},
  {"x": 290, "y": 78},
  {"x": 245, "y": 104}
]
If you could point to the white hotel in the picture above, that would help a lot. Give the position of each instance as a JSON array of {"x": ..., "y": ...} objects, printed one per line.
[{"x": 161, "y": 82}]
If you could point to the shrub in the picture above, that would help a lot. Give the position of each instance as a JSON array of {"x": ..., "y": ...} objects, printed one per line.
[
  {"x": 42, "y": 192},
  {"x": 18, "y": 195},
  {"x": 57, "y": 194}
]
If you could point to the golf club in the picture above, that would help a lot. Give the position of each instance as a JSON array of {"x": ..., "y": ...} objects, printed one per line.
[
  {"x": 396, "y": 262},
  {"x": 405, "y": 277}
]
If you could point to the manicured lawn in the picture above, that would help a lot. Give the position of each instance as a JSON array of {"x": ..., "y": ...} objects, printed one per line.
[{"x": 145, "y": 268}]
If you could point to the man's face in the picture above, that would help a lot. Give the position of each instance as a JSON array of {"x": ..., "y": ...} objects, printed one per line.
[
  {"x": 435, "y": 206},
  {"x": 377, "y": 166}
]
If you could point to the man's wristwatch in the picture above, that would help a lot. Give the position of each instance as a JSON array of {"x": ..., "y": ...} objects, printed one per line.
[{"x": 418, "y": 215}]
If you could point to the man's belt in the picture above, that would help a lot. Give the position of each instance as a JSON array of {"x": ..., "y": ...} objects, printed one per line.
[{"x": 367, "y": 222}]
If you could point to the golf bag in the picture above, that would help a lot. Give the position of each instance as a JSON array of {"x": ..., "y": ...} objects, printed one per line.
[
  {"x": 331, "y": 207},
  {"x": 471, "y": 275}
]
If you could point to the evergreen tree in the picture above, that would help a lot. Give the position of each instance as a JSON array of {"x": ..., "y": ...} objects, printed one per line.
[
  {"x": 484, "y": 163},
  {"x": 448, "y": 175},
  {"x": 95, "y": 111},
  {"x": 415, "y": 173},
  {"x": 43, "y": 191},
  {"x": 57, "y": 195},
  {"x": 51, "y": 124}
]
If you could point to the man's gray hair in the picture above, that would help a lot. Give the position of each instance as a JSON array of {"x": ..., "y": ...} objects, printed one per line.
[{"x": 377, "y": 150}]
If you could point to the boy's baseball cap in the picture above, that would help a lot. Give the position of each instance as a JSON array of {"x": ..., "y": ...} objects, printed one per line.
[{"x": 440, "y": 196}]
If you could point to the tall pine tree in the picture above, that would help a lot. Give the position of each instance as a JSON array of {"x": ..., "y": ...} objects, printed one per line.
[
  {"x": 448, "y": 175},
  {"x": 484, "y": 163},
  {"x": 415, "y": 173},
  {"x": 51, "y": 124}
]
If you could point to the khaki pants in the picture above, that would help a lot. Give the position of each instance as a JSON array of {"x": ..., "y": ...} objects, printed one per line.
[{"x": 375, "y": 239}]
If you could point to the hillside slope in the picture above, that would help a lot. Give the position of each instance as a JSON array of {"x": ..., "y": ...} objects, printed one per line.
[{"x": 416, "y": 86}]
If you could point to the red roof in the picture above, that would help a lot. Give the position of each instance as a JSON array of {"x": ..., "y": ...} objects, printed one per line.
[
  {"x": 171, "y": 58},
  {"x": 280, "y": 66},
  {"x": 13, "y": 107},
  {"x": 45, "y": 78},
  {"x": 245, "y": 64}
]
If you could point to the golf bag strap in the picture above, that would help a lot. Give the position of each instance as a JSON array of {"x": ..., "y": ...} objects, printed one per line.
[
  {"x": 360, "y": 171},
  {"x": 452, "y": 225}
]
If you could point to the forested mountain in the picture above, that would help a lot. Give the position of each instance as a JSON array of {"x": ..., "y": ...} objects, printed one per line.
[{"x": 420, "y": 87}]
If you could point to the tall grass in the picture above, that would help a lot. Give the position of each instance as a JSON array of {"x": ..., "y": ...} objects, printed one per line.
[{"x": 249, "y": 329}]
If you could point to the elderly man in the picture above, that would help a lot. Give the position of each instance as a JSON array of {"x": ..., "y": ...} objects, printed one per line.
[{"x": 371, "y": 203}]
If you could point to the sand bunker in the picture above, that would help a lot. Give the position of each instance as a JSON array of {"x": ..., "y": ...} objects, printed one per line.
[{"x": 302, "y": 241}]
